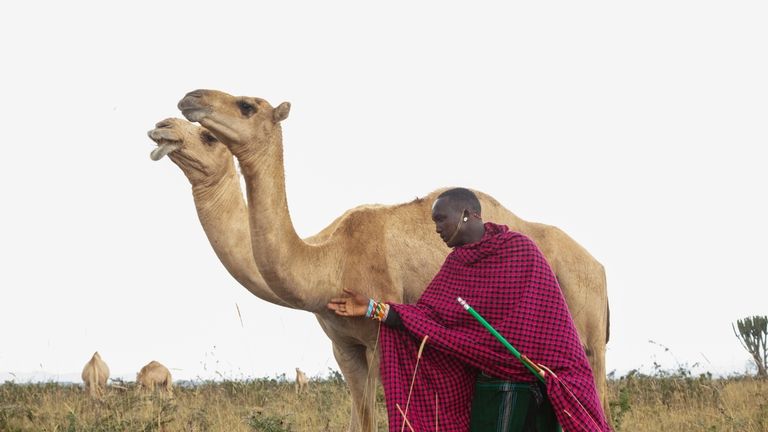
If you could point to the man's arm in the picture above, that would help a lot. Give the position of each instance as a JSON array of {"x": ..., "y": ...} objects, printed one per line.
[{"x": 393, "y": 319}]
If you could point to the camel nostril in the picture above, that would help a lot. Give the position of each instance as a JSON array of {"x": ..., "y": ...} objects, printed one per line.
[{"x": 191, "y": 100}]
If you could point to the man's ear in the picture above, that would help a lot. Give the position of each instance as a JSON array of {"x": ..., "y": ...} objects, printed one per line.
[{"x": 281, "y": 112}]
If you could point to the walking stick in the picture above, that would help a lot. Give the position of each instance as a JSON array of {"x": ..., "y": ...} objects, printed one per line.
[{"x": 533, "y": 367}]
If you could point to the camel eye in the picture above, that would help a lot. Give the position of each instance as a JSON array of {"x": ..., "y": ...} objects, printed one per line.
[
  {"x": 246, "y": 109},
  {"x": 209, "y": 138}
]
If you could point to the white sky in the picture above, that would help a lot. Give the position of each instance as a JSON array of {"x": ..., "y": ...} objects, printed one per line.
[{"x": 639, "y": 129}]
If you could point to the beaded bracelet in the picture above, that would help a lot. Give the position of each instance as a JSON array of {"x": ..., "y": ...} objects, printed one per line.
[
  {"x": 370, "y": 308},
  {"x": 385, "y": 312},
  {"x": 379, "y": 312}
]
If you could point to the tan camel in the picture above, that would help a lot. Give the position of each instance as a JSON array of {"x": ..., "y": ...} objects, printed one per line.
[
  {"x": 95, "y": 375},
  {"x": 302, "y": 382},
  {"x": 210, "y": 169},
  {"x": 221, "y": 208},
  {"x": 388, "y": 252},
  {"x": 154, "y": 375}
]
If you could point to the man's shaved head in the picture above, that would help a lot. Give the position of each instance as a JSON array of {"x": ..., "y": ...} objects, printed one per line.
[{"x": 461, "y": 198}]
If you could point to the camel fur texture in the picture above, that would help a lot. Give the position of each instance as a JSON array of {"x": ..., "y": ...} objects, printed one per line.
[
  {"x": 95, "y": 375},
  {"x": 387, "y": 252},
  {"x": 302, "y": 382},
  {"x": 154, "y": 376}
]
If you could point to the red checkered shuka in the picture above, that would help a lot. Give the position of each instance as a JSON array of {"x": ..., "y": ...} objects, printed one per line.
[{"x": 507, "y": 280}]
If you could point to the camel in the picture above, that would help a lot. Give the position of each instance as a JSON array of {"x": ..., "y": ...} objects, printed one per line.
[
  {"x": 302, "y": 382},
  {"x": 387, "y": 252},
  {"x": 95, "y": 375},
  {"x": 210, "y": 169},
  {"x": 221, "y": 209},
  {"x": 154, "y": 375}
]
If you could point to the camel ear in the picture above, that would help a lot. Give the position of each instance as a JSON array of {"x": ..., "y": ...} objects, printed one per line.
[{"x": 281, "y": 112}]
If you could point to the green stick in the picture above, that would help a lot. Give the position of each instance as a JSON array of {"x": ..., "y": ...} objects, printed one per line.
[{"x": 523, "y": 359}]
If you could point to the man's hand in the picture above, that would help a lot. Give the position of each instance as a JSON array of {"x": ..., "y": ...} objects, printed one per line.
[{"x": 350, "y": 305}]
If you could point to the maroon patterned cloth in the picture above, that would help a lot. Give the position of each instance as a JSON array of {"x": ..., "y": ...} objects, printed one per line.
[{"x": 507, "y": 280}]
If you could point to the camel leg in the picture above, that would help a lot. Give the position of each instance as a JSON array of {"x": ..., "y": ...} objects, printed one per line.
[
  {"x": 588, "y": 307},
  {"x": 596, "y": 354},
  {"x": 601, "y": 383},
  {"x": 595, "y": 351},
  {"x": 354, "y": 366},
  {"x": 595, "y": 347}
]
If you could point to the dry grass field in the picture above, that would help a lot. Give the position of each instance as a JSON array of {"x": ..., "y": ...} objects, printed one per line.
[{"x": 663, "y": 402}]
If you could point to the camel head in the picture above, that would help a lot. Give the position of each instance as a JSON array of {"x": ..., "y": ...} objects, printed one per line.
[
  {"x": 235, "y": 120},
  {"x": 194, "y": 149}
]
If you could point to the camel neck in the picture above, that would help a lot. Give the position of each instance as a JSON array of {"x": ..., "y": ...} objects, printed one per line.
[
  {"x": 224, "y": 217},
  {"x": 216, "y": 192},
  {"x": 292, "y": 268}
]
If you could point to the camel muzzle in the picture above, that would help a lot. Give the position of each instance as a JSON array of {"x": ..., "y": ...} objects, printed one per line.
[{"x": 167, "y": 142}]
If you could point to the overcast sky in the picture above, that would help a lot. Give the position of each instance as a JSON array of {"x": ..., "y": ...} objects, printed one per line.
[{"x": 639, "y": 129}]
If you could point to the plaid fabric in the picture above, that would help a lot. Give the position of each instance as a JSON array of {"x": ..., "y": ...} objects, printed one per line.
[{"x": 506, "y": 279}]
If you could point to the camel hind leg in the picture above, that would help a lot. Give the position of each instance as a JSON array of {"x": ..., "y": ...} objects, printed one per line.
[
  {"x": 596, "y": 356},
  {"x": 583, "y": 284},
  {"x": 168, "y": 386}
]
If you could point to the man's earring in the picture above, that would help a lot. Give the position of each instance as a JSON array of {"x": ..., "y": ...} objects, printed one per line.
[{"x": 465, "y": 218}]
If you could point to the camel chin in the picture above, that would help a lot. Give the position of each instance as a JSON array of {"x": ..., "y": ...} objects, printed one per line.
[
  {"x": 163, "y": 150},
  {"x": 195, "y": 115}
]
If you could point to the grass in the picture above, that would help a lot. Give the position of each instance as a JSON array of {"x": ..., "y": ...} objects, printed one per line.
[
  {"x": 681, "y": 402},
  {"x": 662, "y": 401}
]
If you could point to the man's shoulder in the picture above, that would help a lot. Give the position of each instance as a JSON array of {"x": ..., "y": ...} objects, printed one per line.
[
  {"x": 516, "y": 240},
  {"x": 504, "y": 232}
]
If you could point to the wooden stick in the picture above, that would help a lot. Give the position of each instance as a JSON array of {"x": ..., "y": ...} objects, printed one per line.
[
  {"x": 436, "y": 407},
  {"x": 533, "y": 365},
  {"x": 405, "y": 419},
  {"x": 413, "y": 379}
]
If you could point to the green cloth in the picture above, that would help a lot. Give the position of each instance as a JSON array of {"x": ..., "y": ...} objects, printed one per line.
[{"x": 503, "y": 406}]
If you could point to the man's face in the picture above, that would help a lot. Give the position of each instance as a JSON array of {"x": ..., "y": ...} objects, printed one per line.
[{"x": 447, "y": 221}]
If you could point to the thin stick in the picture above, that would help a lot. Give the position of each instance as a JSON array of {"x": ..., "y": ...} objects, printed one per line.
[
  {"x": 240, "y": 316},
  {"x": 436, "y": 430},
  {"x": 573, "y": 396},
  {"x": 405, "y": 419},
  {"x": 413, "y": 379},
  {"x": 368, "y": 375}
]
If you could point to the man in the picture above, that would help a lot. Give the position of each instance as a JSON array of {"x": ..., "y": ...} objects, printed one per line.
[{"x": 503, "y": 276}]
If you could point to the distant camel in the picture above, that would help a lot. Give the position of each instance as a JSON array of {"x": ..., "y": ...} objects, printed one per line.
[
  {"x": 153, "y": 375},
  {"x": 302, "y": 383},
  {"x": 95, "y": 375}
]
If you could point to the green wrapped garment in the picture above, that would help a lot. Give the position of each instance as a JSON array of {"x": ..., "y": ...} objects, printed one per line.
[{"x": 503, "y": 406}]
